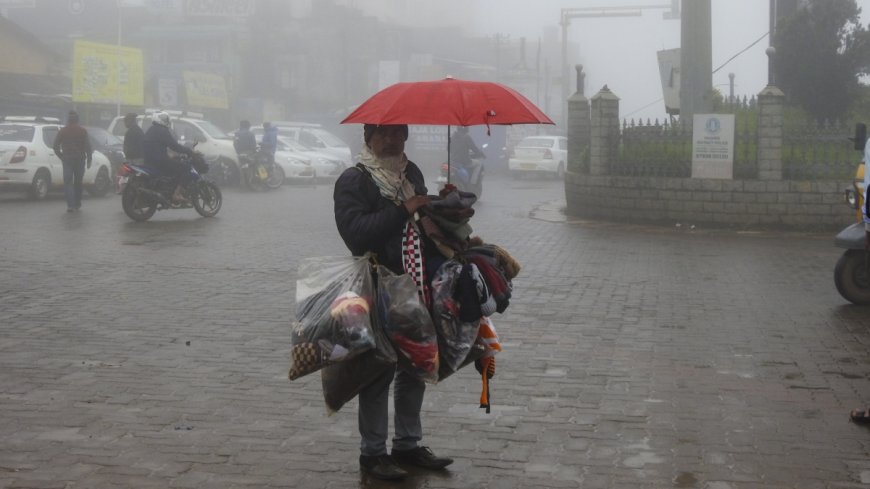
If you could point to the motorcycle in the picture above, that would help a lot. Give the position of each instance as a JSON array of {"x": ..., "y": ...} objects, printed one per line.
[
  {"x": 852, "y": 271},
  {"x": 465, "y": 178},
  {"x": 260, "y": 172},
  {"x": 145, "y": 190}
]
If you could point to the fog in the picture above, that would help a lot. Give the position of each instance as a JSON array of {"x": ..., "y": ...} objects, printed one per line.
[{"x": 617, "y": 52}]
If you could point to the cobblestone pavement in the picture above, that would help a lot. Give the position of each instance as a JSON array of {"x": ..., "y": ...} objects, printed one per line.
[{"x": 154, "y": 355}]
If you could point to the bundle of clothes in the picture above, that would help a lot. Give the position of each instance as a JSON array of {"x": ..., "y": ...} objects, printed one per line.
[{"x": 352, "y": 330}]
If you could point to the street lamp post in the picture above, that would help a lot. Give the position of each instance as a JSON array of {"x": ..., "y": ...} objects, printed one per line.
[{"x": 587, "y": 12}]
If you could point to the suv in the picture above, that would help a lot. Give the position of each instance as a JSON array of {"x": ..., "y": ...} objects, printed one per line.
[
  {"x": 190, "y": 128},
  {"x": 314, "y": 137},
  {"x": 27, "y": 159}
]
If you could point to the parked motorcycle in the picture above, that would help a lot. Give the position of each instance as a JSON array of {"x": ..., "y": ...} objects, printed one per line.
[
  {"x": 465, "y": 178},
  {"x": 145, "y": 190},
  {"x": 852, "y": 272}
]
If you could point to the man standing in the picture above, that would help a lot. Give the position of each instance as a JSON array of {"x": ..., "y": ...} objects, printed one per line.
[
  {"x": 374, "y": 204},
  {"x": 73, "y": 148},
  {"x": 133, "y": 140}
]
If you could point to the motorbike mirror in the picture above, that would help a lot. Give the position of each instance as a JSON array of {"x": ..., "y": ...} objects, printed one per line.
[{"x": 860, "y": 139}]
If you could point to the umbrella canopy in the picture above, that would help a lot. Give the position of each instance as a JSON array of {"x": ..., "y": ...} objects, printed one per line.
[{"x": 449, "y": 102}]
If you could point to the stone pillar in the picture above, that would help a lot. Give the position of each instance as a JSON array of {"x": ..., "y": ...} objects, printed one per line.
[
  {"x": 771, "y": 103},
  {"x": 604, "y": 131},
  {"x": 578, "y": 126}
]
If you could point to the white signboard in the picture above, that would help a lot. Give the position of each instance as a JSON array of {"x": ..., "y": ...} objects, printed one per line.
[
  {"x": 167, "y": 92},
  {"x": 669, "y": 71},
  {"x": 713, "y": 146}
]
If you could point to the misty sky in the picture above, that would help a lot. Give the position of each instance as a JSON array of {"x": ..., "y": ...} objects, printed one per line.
[{"x": 621, "y": 52}]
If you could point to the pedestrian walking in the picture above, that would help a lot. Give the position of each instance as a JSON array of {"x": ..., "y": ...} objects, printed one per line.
[
  {"x": 374, "y": 203},
  {"x": 73, "y": 148}
]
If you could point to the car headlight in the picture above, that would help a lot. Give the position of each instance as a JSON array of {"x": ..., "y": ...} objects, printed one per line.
[{"x": 852, "y": 198}]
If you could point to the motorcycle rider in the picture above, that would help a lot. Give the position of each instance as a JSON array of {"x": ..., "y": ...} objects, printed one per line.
[
  {"x": 462, "y": 151},
  {"x": 244, "y": 142},
  {"x": 158, "y": 139}
]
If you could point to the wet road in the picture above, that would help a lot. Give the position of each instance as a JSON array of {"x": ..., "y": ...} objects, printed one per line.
[{"x": 154, "y": 355}]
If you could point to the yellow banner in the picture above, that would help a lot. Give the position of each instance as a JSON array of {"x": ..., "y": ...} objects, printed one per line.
[
  {"x": 205, "y": 90},
  {"x": 106, "y": 73}
]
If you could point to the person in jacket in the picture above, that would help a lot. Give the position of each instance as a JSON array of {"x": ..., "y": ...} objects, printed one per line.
[
  {"x": 244, "y": 141},
  {"x": 375, "y": 202},
  {"x": 462, "y": 151},
  {"x": 73, "y": 148},
  {"x": 158, "y": 139},
  {"x": 269, "y": 143},
  {"x": 133, "y": 140}
]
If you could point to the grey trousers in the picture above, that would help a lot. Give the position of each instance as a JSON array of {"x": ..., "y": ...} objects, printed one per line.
[{"x": 374, "y": 418}]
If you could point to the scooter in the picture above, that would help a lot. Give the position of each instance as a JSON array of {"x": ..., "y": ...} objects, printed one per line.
[
  {"x": 852, "y": 272},
  {"x": 465, "y": 178}
]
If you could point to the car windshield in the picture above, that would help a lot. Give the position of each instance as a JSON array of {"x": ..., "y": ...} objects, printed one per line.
[
  {"x": 103, "y": 137},
  {"x": 328, "y": 138},
  {"x": 212, "y": 130},
  {"x": 15, "y": 132},
  {"x": 536, "y": 143}
]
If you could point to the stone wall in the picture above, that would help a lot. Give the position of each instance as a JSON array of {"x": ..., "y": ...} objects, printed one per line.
[
  {"x": 743, "y": 204},
  {"x": 769, "y": 202}
]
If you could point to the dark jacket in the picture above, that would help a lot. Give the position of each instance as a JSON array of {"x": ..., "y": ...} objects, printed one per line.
[
  {"x": 133, "y": 142},
  {"x": 368, "y": 221},
  {"x": 157, "y": 140},
  {"x": 463, "y": 149},
  {"x": 244, "y": 142},
  {"x": 72, "y": 143}
]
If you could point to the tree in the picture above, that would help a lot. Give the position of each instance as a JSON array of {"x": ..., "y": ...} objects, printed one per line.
[{"x": 821, "y": 50}]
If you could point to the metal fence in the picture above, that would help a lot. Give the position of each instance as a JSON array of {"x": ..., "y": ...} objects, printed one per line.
[{"x": 811, "y": 151}]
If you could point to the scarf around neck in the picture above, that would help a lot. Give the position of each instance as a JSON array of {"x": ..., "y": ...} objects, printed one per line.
[{"x": 388, "y": 174}]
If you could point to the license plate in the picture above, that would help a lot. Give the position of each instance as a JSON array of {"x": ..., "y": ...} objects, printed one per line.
[{"x": 528, "y": 166}]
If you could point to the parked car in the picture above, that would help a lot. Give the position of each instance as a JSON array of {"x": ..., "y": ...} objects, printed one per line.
[
  {"x": 314, "y": 137},
  {"x": 543, "y": 155},
  {"x": 215, "y": 144},
  {"x": 326, "y": 166},
  {"x": 108, "y": 144},
  {"x": 296, "y": 167},
  {"x": 27, "y": 159}
]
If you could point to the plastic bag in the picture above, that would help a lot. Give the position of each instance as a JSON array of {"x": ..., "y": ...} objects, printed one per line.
[
  {"x": 334, "y": 297},
  {"x": 342, "y": 382},
  {"x": 408, "y": 324},
  {"x": 455, "y": 337}
]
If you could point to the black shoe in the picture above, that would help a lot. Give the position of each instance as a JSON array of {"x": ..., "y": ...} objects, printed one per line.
[
  {"x": 381, "y": 467},
  {"x": 421, "y": 457}
]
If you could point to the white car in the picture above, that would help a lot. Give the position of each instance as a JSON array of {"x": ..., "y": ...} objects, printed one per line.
[
  {"x": 539, "y": 155},
  {"x": 326, "y": 167},
  {"x": 215, "y": 144},
  {"x": 27, "y": 159},
  {"x": 296, "y": 167},
  {"x": 315, "y": 138}
]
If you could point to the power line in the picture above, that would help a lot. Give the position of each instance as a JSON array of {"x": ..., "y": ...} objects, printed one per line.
[{"x": 741, "y": 52}]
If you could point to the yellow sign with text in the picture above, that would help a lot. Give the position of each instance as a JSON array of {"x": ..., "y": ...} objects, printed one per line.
[
  {"x": 107, "y": 74},
  {"x": 205, "y": 90}
]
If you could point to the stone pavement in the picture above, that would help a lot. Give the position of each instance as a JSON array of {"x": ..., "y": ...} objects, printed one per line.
[{"x": 154, "y": 355}]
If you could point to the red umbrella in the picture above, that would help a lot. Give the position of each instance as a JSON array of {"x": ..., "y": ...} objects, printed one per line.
[{"x": 449, "y": 102}]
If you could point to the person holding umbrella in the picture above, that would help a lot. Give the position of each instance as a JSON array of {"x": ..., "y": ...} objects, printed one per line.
[{"x": 375, "y": 203}]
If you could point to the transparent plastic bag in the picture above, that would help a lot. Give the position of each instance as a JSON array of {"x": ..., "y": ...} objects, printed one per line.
[
  {"x": 343, "y": 381},
  {"x": 455, "y": 337},
  {"x": 334, "y": 297},
  {"x": 408, "y": 325}
]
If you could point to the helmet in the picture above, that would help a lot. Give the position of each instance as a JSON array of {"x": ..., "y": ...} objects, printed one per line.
[{"x": 161, "y": 118}]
